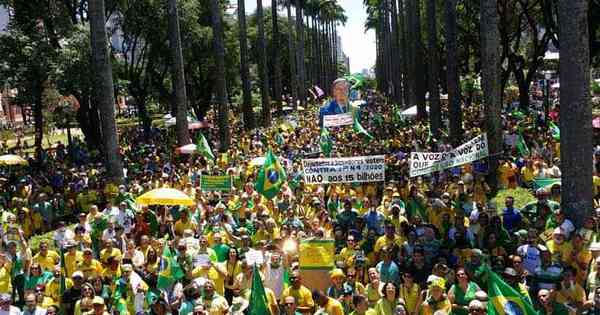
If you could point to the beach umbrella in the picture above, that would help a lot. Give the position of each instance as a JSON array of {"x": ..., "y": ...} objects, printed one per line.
[{"x": 165, "y": 197}]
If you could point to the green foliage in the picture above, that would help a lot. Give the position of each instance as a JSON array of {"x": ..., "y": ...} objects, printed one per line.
[
  {"x": 595, "y": 87},
  {"x": 522, "y": 197}
]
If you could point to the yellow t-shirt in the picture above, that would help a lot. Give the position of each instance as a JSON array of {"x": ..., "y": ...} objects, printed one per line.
[
  {"x": 302, "y": 295},
  {"x": 53, "y": 288},
  {"x": 564, "y": 250},
  {"x": 105, "y": 254},
  {"x": 71, "y": 262},
  {"x": 575, "y": 294},
  {"x": 410, "y": 296},
  {"x": 181, "y": 226},
  {"x": 211, "y": 274},
  {"x": 47, "y": 262},
  {"x": 92, "y": 269},
  {"x": 527, "y": 174},
  {"x": 334, "y": 307},
  {"x": 5, "y": 282},
  {"x": 383, "y": 241}
]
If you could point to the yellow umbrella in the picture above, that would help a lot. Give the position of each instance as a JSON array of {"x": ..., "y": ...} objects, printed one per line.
[
  {"x": 165, "y": 197},
  {"x": 11, "y": 159}
]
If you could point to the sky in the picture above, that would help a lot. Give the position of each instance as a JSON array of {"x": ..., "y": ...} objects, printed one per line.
[{"x": 357, "y": 45}]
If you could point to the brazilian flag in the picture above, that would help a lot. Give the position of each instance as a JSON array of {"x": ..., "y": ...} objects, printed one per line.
[
  {"x": 358, "y": 128},
  {"x": 170, "y": 271},
  {"x": 555, "y": 131},
  {"x": 504, "y": 299},
  {"x": 271, "y": 177},
  {"x": 522, "y": 148},
  {"x": 258, "y": 299},
  {"x": 325, "y": 142},
  {"x": 203, "y": 148}
]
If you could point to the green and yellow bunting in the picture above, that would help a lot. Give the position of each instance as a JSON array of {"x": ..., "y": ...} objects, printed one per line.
[{"x": 271, "y": 177}]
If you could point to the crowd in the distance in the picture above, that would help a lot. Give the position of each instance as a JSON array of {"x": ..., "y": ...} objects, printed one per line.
[{"x": 414, "y": 246}]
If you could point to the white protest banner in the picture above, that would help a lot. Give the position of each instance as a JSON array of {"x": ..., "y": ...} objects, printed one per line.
[
  {"x": 337, "y": 120},
  {"x": 422, "y": 163},
  {"x": 344, "y": 170}
]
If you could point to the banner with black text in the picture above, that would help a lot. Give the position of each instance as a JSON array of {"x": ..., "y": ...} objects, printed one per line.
[
  {"x": 344, "y": 170},
  {"x": 422, "y": 163}
]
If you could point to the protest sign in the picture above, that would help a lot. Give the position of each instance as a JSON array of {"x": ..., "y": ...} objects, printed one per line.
[
  {"x": 254, "y": 257},
  {"x": 317, "y": 254},
  {"x": 344, "y": 170},
  {"x": 215, "y": 183},
  {"x": 337, "y": 120},
  {"x": 422, "y": 163}
]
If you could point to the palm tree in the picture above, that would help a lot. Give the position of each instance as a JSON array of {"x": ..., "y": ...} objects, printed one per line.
[
  {"x": 275, "y": 56},
  {"x": 300, "y": 65},
  {"x": 455, "y": 112},
  {"x": 262, "y": 66},
  {"x": 434, "y": 96},
  {"x": 220, "y": 84},
  {"x": 183, "y": 136},
  {"x": 575, "y": 109},
  {"x": 105, "y": 89},
  {"x": 396, "y": 53},
  {"x": 411, "y": 51},
  {"x": 490, "y": 82},
  {"x": 292, "y": 53},
  {"x": 249, "y": 122}
]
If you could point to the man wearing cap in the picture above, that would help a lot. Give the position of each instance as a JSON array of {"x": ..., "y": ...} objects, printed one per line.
[
  {"x": 99, "y": 307},
  {"x": 5, "y": 305},
  {"x": 559, "y": 247}
]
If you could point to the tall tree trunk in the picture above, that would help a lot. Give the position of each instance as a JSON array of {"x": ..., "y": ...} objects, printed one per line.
[
  {"x": 220, "y": 84},
  {"x": 396, "y": 55},
  {"x": 421, "y": 84},
  {"x": 105, "y": 89},
  {"x": 490, "y": 83},
  {"x": 411, "y": 50},
  {"x": 300, "y": 49},
  {"x": 292, "y": 54},
  {"x": 435, "y": 110},
  {"x": 183, "y": 135},
  {"x": 249, "y": 122},
  {"x": 575, "y": 110},
  {"x": 262, "y": 66},
  {"x": 276, "y": 61},
  {"x": 454, "y": 104},
  {"x": 404, "y": 52}
]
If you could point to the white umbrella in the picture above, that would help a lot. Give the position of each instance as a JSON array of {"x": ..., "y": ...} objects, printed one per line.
[{"x": 186, "y": 149}]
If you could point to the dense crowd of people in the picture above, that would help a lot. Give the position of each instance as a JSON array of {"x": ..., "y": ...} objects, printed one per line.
[{"x": 414, "y": 246}]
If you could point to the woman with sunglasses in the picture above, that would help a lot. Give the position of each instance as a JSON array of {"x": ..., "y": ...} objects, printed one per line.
[
  {"x": 409, "y": 292},
  {"x": 34, "y": 276},
  {"x": 462, "y": 293},
  {"x": 84, "y": 304}
]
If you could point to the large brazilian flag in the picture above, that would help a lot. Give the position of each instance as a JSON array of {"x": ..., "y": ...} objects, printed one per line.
[
  {"x": 271, "y": 177},
  {"x": 504, "y": 299}
]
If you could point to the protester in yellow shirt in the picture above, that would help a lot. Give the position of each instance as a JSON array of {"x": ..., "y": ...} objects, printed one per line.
[
  {"x": 52, "y": 289},
  {"x": 215, "y": 272},
  {"x": 184, "y": 223},
  {"x": 90, "y": 267},
  {"x": 46, "y": 258},
  {"x": 110, "y": 251},
  {"x": 559, "y": 247},
  {"x": 5, "y": 275},
  {"x": 72, "y": 258},
  {"x": 302, "y": 295},
  {"x": 329, "y": 305},
  {"x": 571, "y": 293}
]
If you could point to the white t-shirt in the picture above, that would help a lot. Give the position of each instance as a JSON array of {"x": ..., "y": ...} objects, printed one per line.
[
  {"x": 531, "y": 257},
  {"x": 274, "y": 279}
]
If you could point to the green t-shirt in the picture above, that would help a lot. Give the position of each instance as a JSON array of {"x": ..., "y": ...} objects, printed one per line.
[{"x": 222, "y": 252}]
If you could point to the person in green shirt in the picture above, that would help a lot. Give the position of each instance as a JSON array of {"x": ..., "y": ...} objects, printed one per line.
[
  {"x": 35, "y": 276},
  {"x": 361, "y": 306},
  {"x": 220, "y": 248}
]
